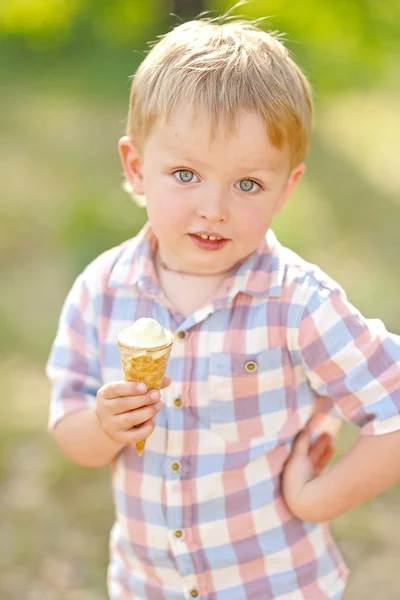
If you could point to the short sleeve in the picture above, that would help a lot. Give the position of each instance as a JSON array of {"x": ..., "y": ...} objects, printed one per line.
[
  {"x": 73, "y": 365},
  {"x": 353, "y": 360}
]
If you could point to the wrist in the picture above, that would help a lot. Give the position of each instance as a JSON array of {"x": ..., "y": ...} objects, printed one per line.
[
  {"x": 310, "y": 503},
  {"x": 109, "y": 441}
]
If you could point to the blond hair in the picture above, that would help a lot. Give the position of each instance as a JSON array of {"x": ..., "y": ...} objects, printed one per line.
[{"x": 222, "y": 69}]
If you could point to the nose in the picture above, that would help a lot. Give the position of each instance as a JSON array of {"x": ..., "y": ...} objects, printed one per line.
[{"x": 213, "y": 207}]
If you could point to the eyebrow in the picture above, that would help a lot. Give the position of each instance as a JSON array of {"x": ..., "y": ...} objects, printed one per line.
[
  {"x": 191, "y": 160},
  {"x": 204, "y": 164},
  {"x": 251, "y": 170}
]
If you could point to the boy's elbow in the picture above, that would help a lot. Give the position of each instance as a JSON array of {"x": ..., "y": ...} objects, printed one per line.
[{"x": 82, "y": 459}]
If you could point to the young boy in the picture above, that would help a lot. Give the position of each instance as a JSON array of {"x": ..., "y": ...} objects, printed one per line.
[{"x": 228, "y": 500}]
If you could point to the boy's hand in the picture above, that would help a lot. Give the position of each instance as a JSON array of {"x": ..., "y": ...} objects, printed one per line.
[
  {"x": 306, "y": 461},
  {"x": 127, "y": 411}
]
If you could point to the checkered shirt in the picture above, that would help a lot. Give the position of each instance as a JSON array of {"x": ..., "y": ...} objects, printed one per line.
[{"x": 200, "y": 514}]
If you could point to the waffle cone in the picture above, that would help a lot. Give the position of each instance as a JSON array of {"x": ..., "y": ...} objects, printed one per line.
[{"x": 147, "y": 365}]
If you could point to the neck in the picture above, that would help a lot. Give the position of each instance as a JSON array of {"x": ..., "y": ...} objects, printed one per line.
[{"x": 163, "y": 265}]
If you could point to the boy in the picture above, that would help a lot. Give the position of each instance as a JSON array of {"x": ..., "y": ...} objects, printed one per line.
[{"x": 227, "y": 501}]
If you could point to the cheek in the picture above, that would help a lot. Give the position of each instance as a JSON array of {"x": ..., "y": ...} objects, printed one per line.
[
  {"x": 254, "y": 220},
  {"x": 165, "y": 209}
]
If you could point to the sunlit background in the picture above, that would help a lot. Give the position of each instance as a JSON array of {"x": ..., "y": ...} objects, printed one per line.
[{"x": 64, "y": 74}]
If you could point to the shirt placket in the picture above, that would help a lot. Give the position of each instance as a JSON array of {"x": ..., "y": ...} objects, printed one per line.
[{"x": 180, "y": 481}]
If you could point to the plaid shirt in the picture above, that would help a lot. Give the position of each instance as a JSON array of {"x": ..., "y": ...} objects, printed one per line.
[{"x": 201, "y": 513}]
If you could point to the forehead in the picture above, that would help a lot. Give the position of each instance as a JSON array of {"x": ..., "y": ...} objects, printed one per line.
[{"x": 190, "y": 133}]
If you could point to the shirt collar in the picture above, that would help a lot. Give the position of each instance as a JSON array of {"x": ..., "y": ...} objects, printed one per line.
[
  {"x": 134, "y": 265},
  {"x": 261, "y": 274}
]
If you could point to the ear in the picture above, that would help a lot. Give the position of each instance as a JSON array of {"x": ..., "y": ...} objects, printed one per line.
[
  {"x": 291, "y": 183},
  {"x": 132, "y": 164}
]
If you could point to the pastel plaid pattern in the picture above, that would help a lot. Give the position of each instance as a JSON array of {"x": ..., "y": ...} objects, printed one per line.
[{"x": 201, "y": 514}]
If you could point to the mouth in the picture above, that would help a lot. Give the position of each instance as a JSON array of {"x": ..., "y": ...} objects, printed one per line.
[
  {"x": 207, "y": 240},
  {"x": 209, "y": 236}
]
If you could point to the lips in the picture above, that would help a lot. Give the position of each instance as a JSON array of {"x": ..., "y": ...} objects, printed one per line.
[
  {"x": 209, "y": 235},
  {"x": 207, "y": 240}
]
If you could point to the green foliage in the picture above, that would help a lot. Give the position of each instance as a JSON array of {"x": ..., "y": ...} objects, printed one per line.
[
  {"x": 45, "y": 24},
  {"x": 37, "y": 17},
  {"x": 89, "y": 226},
  {"x": 341, "y": 44}
]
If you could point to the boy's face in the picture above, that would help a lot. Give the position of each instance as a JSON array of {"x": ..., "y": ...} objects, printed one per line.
[{"x": 229, "y": 188}]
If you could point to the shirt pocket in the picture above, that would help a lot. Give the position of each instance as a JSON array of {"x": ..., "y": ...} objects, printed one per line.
[{"x": 248, "y": 396}]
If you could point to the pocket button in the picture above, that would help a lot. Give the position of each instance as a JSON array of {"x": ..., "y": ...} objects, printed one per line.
[
  {"x": 251, "y": 366},
  {"x": 176, "y": 467}
]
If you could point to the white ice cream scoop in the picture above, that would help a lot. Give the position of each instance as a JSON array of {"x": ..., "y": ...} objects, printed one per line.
[{"x": 144, "y": 333}]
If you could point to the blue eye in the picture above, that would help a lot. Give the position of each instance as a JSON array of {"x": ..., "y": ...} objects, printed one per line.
[
  {"x": 185, "y": 176},
  {"x": 248, "y": 185}
]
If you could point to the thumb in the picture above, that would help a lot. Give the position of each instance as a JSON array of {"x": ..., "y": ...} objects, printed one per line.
[
  {"x": 165, "y": 382},
  {"x": 302, "y": 443}
]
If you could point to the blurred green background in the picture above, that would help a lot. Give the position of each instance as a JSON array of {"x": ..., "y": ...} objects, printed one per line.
[{"x": 64, "y": 72}]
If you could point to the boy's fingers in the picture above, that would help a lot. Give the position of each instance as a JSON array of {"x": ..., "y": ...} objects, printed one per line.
[
  {"x": 324, "y": 460},
  {"x": 318, "y": 448},
  {"x": 165, "y": 383},
  {"x": 321, "y": 452},
  {"x": 139, "y": 433},
  {"x": 123, "y": 404},
  {"x": 122, "y": 388},
  {"x": 301, "y": 444},
  {"x": 135, "y": 418},
  {"x": 116, "y": 389}
]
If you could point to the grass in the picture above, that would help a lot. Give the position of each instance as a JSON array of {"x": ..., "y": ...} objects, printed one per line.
[{"x": 56, "y": 516}]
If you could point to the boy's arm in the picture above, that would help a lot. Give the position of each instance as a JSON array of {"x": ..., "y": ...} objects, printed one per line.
[
  {"x": 356, "y": 362},
  {"x": 370, "y": 467},
  {"x": 125, "y": 413},
  {"x": 81, "y": 439}
]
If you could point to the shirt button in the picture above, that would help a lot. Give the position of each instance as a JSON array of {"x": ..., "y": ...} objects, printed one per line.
[
  {"x": 250, "y": 366},
  {"x": 178, "y": 402},
  {"x": 181, "y": 335},
  {"x": 194, "y": 594},
  {"x": 178, "y": 533},
  {"x": 176, "y": 467}
]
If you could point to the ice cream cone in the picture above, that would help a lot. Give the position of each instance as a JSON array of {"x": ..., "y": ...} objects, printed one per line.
[{"x": 147, "y": 365}]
